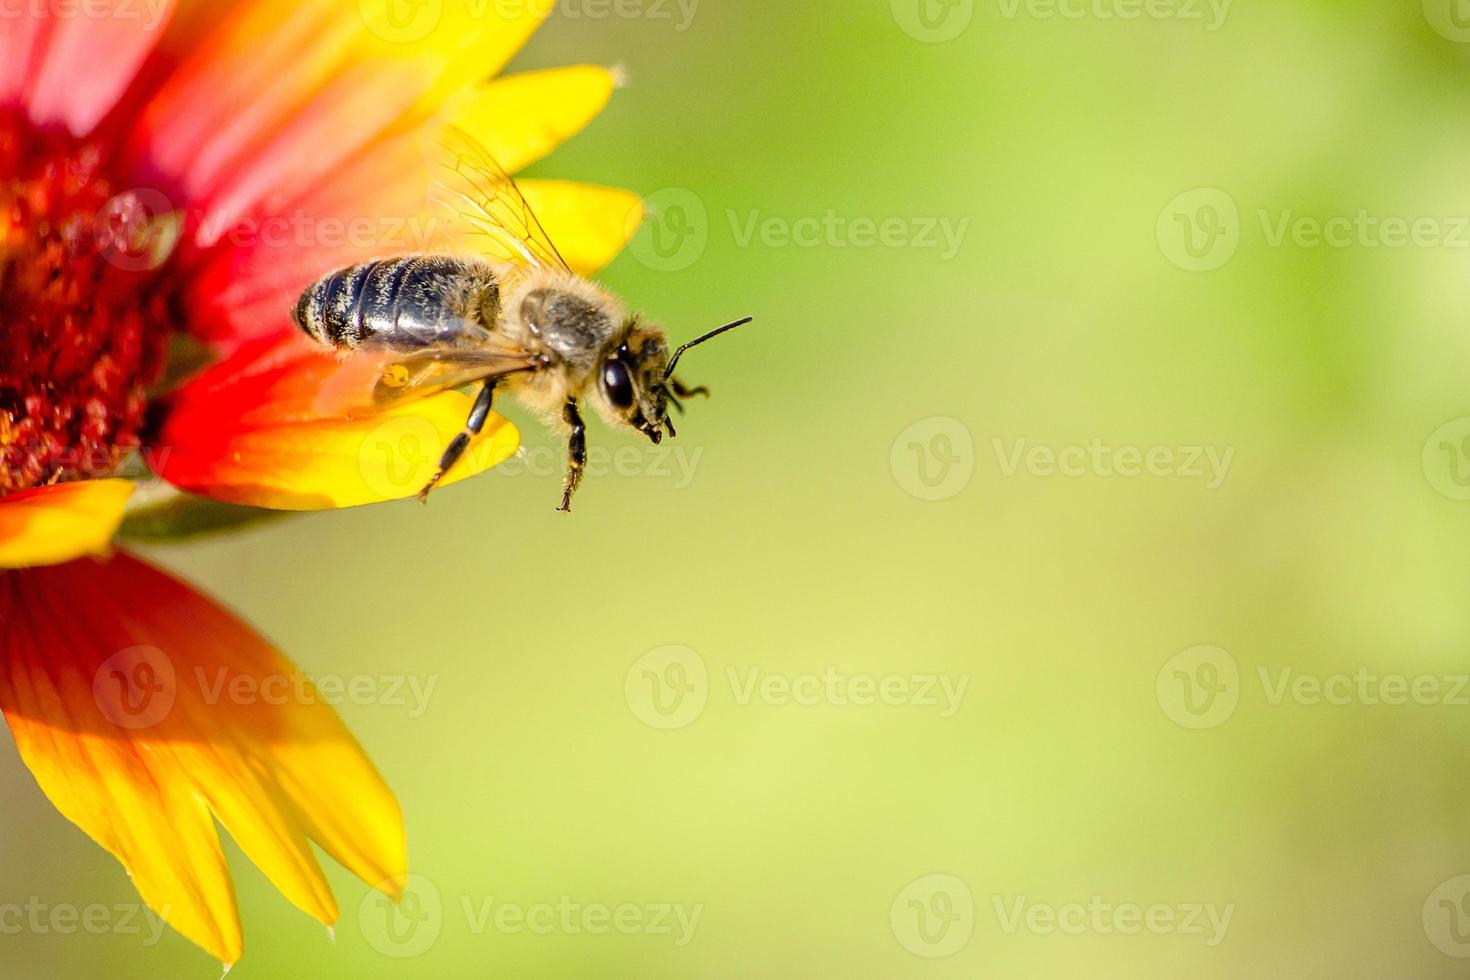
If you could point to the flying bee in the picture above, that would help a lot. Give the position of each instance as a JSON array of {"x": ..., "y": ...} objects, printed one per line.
[{"x": 514, "y": 320}]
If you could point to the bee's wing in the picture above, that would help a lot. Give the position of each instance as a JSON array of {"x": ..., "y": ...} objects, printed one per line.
[
  {"x": 483, "y": 204},
  {"x": 370, "y": 382}
]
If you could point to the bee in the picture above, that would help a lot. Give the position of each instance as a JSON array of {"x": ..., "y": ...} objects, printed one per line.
[{"x": 512, "y": 319}]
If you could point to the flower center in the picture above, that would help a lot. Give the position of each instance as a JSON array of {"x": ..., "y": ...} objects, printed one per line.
[{"x": 85, "y": 307}]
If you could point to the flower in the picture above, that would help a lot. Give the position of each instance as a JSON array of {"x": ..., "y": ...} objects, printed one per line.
[{"x": 172, "y": 175}]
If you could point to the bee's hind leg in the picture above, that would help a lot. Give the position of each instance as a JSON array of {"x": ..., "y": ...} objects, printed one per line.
[
  {"x": 476, "y": 423},
  {"x": 576, "y": 453}
]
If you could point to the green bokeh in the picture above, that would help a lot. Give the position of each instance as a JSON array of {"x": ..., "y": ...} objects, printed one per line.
[{"x": 800, "y": 544}]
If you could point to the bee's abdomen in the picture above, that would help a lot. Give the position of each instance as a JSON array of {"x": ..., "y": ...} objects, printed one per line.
[{"x": 407, "y": 302}]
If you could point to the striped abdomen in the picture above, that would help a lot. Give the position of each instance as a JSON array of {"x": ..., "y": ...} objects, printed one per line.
[{"x": 404, "y": 303}]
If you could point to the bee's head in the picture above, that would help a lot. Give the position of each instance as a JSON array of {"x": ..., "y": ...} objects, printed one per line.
[
  {"x": 631, "y": 381},
  {"x": 636, "y": 381}
]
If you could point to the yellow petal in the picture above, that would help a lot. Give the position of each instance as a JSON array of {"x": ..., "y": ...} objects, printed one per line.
[
  {"x": 589, "y": 224},
  {"x": 344, "y": 463},
  {"x": 145, "y": 712},
  {"x": 521, "y": 118},
  {"x": 253, "y": 430},
  {"x": 50, "y": 525}
]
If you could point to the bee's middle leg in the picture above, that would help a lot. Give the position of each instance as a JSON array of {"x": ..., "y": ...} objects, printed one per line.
[
  {"x": 473, "y": 427},
  {"x": 576, "y": 453}
]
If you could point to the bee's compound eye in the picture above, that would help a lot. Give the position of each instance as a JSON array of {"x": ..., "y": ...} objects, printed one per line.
[{"x": 618, "y": 384}]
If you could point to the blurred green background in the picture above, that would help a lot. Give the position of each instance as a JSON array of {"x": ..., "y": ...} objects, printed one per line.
[{"x": 851, "y": 502}]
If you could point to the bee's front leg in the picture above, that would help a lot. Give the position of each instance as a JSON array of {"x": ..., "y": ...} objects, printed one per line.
[
  {"x": 576, "y": 453},
  {"x": 683, "y": 392}
]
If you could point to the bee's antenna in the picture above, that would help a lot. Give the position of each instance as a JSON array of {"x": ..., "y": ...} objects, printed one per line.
[{"x": 674, "y": 361}]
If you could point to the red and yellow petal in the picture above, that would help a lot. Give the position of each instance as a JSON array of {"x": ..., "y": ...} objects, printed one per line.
[
  {"x": 51, "y": 525},
  {"x": 378, "y": 203},
  {"x": 112, "y": 40},
  {"x": 254, "y": 430},
  {"x": 282, "y": 92},
  {"x": 146, "y": 711}
]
